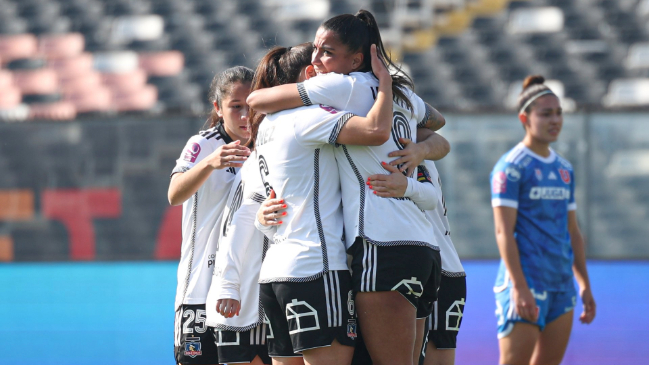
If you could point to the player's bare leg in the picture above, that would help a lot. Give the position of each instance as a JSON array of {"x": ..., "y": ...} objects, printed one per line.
[
  {"x": 334, "y": 354},
  {"x": 288, "y": 361},
  {"x": 387, "y": 320},
  {"x": 553, "y": 341},
  {"x": 434, "y": 356},
  {"x": 517, "y": 347},
  {"x": 421, "y": 331},
  {"x": 257, "y": 361}
]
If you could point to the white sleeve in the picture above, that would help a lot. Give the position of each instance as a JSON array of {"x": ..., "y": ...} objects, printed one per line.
[
  {"x": 423, "y": 194},
  {"x": 330, "y": 89},
  {"x": 238, "y": 235},
  {"x": 323, "y": 128},
  {"x": 196, "y": 149},
  {"x": 420, "y": 109},
  {"x": 232, "y": 251},
  {"x": 421, "y": 190}
]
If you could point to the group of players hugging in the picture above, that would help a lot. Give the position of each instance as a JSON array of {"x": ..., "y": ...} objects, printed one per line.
[{"x": 315, "y": 230}]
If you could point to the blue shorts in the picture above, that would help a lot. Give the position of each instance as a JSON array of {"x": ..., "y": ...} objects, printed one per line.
[{"x": 551, "y": 304}]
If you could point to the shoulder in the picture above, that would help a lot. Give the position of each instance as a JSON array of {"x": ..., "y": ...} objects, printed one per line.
[
  {"x": 330, "y": 79},
  {"x": 564, "y": 163},
  {"x": 208, "y": 138},
  {"x": 513, "y": 164},
  {"x": 363, "y": 77},
  {"x": 512, "y": 158}
]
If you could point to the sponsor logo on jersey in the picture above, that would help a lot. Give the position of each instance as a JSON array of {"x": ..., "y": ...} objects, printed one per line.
[
  {"x": 328, "y": 109},
  {"x": 539, "y": 174},
  {"x": 193, "y": 347},
  {"x": 565, "y": 175},
  {"x": 552, "y": 175},
  {"x": 192, "y": 152},
  {"x": 512, "y": 174},
  {"x": 210, "y": 260},
  {"x": 499, "y": 183},
  {"x": 549, "y": 193}
]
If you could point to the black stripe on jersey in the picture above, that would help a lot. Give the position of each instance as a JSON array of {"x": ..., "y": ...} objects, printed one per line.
[
  {"x": 361, "y": 213},
  {"x": 257, "y": 197},
  {"x": 258, "y": 335},
  {"x": 178, "y": 169},
  {"x": 453, "y": 274},
  {"x": 234, "y": 206},
  {"x": 316, "y": 209},
  {"x": 339, "y": 125},
  {"x": 192, "y": 244},
  {"x": 368, "y": 276},
  {"x": 303, "y": 94},
  {"x": 215, "y": 134},
  {"x": 207, "y": 132},
  {"x": 332, "y": 295},
  {"x": 427, "y": 115}
]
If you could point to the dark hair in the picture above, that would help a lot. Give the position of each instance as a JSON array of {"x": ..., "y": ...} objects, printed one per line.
[
  {"x": 533, "y": 85},
  {"x": 222, "y": 85},
  {"x": 279, "y": 66},
  {"x": 358, "y": 32}
]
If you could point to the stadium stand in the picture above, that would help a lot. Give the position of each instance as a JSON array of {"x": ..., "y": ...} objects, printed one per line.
[{"x": 597, "y": 51}]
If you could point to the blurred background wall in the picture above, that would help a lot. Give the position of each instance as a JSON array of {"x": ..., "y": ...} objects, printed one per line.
[{"x": 96, "y": 189}]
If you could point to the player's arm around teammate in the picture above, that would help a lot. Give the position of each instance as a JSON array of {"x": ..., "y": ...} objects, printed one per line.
[
  {"x": 296, "y": 267},
  {"x": 538, "y": 238}
]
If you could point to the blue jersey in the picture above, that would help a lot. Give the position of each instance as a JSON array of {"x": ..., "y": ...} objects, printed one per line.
[{"x": 542, "y": 190}]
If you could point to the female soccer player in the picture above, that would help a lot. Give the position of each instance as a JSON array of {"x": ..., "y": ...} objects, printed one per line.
[
  {"x": 201, "y": 181},
  {"x": 532, "y": 194},
  {"x": 233, "y": 304},
  {"x": 308, "y": 253},
  {"x": 388, "y": 276},
  {"x": 444, "y": 323}
]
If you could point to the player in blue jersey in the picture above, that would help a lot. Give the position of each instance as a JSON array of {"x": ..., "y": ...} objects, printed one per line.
[{"x": 532, "y": 194}]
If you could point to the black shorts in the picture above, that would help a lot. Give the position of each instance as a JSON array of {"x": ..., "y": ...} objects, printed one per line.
[
  {"x": 193, "y": 340},
  {"x": 413, "y": 271},
  {"x": 242, "y": 347},
  {"x": 309, "y": 315},
  {"x": 446, "y": 318}
]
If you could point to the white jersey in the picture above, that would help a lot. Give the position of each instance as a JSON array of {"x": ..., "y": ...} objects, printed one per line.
[
  {"x": 451, "y": 265},
  {"x": 382, "y": 221},
  {"x": 296, "y": 160},
  {"x": 201, "y": 217},
  {"x": 239, "y": 256}
]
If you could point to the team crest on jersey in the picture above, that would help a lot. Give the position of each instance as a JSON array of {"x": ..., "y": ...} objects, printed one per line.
[
  {"x": 192, "y": 152},
  {"x": 539, "y": 174},
  {"x": 193, "y": 347},
  {"x": 499, "y": 183},
  {"x": 552, "y": 175},
  {"x": 328, "y": 109},
  {"x": 352, "y": 331},
  {"x": 565, "y": 175},
  {"x": 512, "y": 174}
]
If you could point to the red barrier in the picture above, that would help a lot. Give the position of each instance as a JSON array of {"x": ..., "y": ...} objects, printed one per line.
[
  {"x": 170, "y": 235},
  {"x": 76, "y": 208}
]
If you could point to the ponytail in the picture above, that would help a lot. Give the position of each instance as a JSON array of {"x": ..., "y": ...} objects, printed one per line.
[
  {"x": 278, "y": 67},
  {"x": 358, "y": 32}
]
